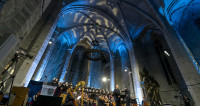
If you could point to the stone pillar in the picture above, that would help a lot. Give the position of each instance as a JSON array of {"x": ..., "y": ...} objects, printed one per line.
[
  {"x": 89, "y": 78},
  {"x": 136, "y": 75},
  {"x": 182, "y": 55},
  {"x": 37, "y": 49},
  {"x": 112, "y": 73},
  {"x": 43, "y": 63},
  {"x": 64, "y": 70},
  {"x": 87, "y": 68},
  {"x": 185, "y": 63},
  {"x": 131, "y": 84}
]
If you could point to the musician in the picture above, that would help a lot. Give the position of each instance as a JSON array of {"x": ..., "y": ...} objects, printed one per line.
[
  {"x": 54, "y": 82},
  {"x": 63, "y": 85},
  {"x": 127, "y": 94},
  {"x": 86, "y": 100},
  {"x": 134, "y": 101},
  {"x": 112, "y": 101},
  {"x": 58, "y": 89},
  {"x": 36, "y": 96},
  {"x": 66, "y": 83},
  {"x": 70, "y": 86},
  {"x": 186, "y": 100},
  {"x": 64, "y": 88},
  {"x": 144, "y": 102},
  {"x": 101, "y": 100},
  {"x": 35, "y": 103},
  {"x": 69, "y": 100},
  {"x": 116, "y": 94}
]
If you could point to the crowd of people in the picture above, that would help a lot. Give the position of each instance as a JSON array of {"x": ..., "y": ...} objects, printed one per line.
[
  {"x": 96, "y": 97},
  {"x": 92, "y": 96}
]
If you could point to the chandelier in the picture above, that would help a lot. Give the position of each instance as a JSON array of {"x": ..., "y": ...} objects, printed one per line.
[{"x": 94, "y": 54}]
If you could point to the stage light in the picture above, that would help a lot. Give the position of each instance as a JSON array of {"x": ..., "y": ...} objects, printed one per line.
[
  {"x": 126, "y": 69},
  {"x": 50, "y": 42},
  {"x": 166, "y": 53},
  {"x": 104, "y": 79}
]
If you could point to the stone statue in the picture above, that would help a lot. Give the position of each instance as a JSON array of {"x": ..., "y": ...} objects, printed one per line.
[{"x": 151, "y": 89}]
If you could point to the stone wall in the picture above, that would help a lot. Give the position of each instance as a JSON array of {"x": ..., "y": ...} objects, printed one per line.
[
  {"x": 18, "y": 17},
  {"x": 148, "y": 59}
]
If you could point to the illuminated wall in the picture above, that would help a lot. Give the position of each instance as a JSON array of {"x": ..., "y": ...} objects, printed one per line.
[
  {"x": 53, "y": 61},
  {"x": 184, "y": 16},
  {"x": 122, "y": 63}
]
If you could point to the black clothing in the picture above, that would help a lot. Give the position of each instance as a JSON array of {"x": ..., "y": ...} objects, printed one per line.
[
  {"x": 54, "y": 83},
  {"x": 116, "y": 94},
  {"x": 101, "y": 102},
  {"x": 57, "y": 91},
  {"x": 186, "y": 101},
  {"x": 127, "y": 94},
  {"x": 134, "y": 101},
  {"x": 63, "y": 85},
  {"x": 64, "y": 89}
]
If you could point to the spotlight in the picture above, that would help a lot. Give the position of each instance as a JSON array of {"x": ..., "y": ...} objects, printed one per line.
[
  {"x": 50, "y": 42},
  {"x": 126, "y": 69},
  {"x": 166, "y": 53},
  {"x": 104, "y": 79}
]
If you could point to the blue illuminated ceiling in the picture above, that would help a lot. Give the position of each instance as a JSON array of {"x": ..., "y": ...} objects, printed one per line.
[
  {"x": 184, "y": 16},
  {"x": 115, "y": 22},
  {"x": 82, "y": 21},
  {"x": 112, "y": 23},
  {"x": 176, "y": 9}
]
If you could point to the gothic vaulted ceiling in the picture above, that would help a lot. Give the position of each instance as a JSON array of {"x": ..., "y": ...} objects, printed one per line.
[{"x": 114, "y": 22}]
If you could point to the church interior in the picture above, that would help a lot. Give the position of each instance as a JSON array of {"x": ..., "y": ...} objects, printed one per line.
[{"x": 53, "y": 52}]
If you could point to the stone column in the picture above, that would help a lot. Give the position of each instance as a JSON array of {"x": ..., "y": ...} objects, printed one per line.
[
  {"x": 185, "y": 62},
  {"x": 43, "y": 62},
  {"x": 112, "y": 73},
  {"x": 182, "y": 55},
  {"x": 136, "y": 75},
  {"x": 131, "y": 84},
  {"x": 37, "y": 49},
  {"x": 87, "y": 68},
  {"x": 64, "y": 70}
]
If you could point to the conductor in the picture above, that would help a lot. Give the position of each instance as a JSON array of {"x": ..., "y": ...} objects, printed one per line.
[{"x": 127, "y": 93}]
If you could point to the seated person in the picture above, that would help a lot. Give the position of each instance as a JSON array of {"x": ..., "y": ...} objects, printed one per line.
[
  {"x": 58, "y": 90},
  {"x": 68, "y": 100},
  {"x": 35, "y": 99},
  {"x": 54, "y": 82},
  {"x": 101, "y": 101}
]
